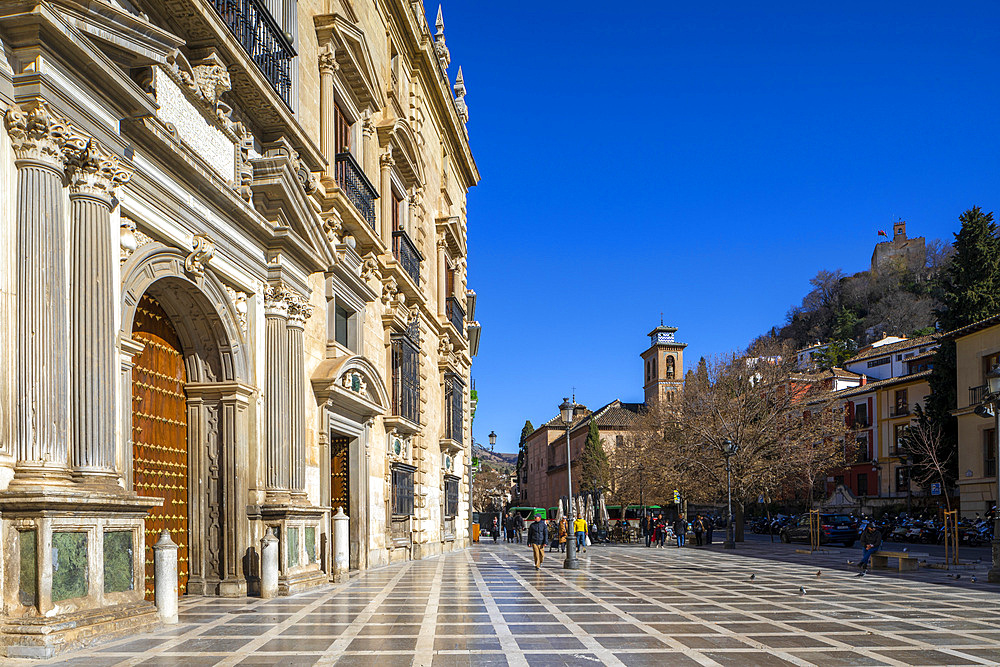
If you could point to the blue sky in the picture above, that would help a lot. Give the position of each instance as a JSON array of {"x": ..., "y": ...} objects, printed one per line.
[{"x": 700, "y": 159}]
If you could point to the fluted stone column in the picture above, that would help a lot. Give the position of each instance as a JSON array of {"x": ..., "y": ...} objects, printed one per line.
[
  {"x": 442, "y": 280},
  {"x": 387, "y": 163},
  {"x": 43, "y": 391},
  {"x": 276, "y": 398},
  {"x": 327, "y": 133},
  {"x": 369, "y": 154},
  {"x": 94, "y": 175},
  {"x": 299, "y": 311}
]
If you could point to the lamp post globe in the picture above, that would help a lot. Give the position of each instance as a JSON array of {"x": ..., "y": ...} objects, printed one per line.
[
  {"x": 993, "y": 380},
  {"x": 566, "y": 414},
  {"x": 493, "y": 439}
]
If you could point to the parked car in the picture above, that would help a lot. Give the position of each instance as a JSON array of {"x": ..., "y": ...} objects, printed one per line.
[{"x": 834, "y": 528}]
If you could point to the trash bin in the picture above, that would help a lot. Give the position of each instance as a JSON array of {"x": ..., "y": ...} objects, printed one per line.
[{"x": 475, "y": 532}]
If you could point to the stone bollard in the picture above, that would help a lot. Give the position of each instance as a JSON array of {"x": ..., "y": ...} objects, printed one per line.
[
  {"x": 269, "y": 566},
  {"x": 165, "y": 578},
  {"x": 341, "y": 544}
]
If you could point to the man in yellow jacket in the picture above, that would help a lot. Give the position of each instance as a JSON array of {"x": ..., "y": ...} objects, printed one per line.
[{"x": 580, "y": 528}]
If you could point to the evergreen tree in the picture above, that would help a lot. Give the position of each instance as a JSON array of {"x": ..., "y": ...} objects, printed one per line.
[
  {"x": 526, "y": 430},
  {"x": 970, "y": 291},
  {"x": 594, "y": 461}
]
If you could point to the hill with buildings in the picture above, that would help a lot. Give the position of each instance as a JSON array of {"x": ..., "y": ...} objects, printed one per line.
[
  {"x": 496, "y": 460},
  {"x": 898, "y": 294}
]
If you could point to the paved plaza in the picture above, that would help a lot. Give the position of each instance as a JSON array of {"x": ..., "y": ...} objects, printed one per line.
[{"x": 627, "y": 605}]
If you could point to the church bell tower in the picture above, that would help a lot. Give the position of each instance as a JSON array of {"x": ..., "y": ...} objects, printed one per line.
[{"x": 663, "y": 365}]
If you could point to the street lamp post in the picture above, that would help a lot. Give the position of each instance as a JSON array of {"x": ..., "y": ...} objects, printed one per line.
[
  {"x": 566, "y": 413},
  {"x": 728, "y": 450},
  {"x": 993, "y": 379}
]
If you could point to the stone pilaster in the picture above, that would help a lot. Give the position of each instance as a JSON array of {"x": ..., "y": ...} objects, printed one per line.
[
  {"x": 327, "y": 68},
  {"x": 129, "y": 350},
  {"x": 43, "y": 332},
  {"x": 387, "y": 163},
  {"x": 298, "y": 312},
  {"x": 276, "y": 397},
  {"x": 94, "y": 175},
  {"x": 442, "y": 280}
]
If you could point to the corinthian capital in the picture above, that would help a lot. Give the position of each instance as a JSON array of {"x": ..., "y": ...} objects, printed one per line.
[
  {"x": 36, "y": 133},
  {"x": 299, "y": 310},
  {"x": 327, "y": 59},
  {"x": 386, "y": 159},
  {"x": 276, "y": 300},
  {"x": 93, "y": 170}
]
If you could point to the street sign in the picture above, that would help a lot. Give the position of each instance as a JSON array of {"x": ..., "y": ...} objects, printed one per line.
[
  {"x": 936, "y": 489},
  {"x": 677, "y": 497}
]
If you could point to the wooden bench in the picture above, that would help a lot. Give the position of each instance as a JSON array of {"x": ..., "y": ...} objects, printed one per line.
[{"x": 907, "y": 561}]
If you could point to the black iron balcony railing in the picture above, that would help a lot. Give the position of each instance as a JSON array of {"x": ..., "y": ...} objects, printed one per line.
[
  {"x": 263, "y": 40},
  {"x": 977, "y": 394},
  {"x": 356, "y": 186},
  {"x": 406, "y": 254},
  {"x": 455, "y": 313},
  {"x": 899, "y": 411}
]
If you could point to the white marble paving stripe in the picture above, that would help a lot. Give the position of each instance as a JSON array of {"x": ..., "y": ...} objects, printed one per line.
[
  {"x": 334, "y": 652},
  {"x": 515, "y": 657},
  {"x": 593, "y": 646},
  {"x": 610, "y": 607},
  {"x": 425, "y": 637},
  {"x": 788, "y": 655}
]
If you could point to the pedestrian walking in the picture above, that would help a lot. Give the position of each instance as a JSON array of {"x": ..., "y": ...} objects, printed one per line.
[
  {"x": 661, "y": 531},
  {"x": 495, "y": 529},
  {"x": 580, "y": 528},
  {"x": 563, "y": 534},
  {"x": 647, "y": 525},
  {"x": 538, "y": 535},
  {"x": 709, "y": 526},
  {"x": 680, "y": 530},
  {"x": 553, "y": 535},
  {"x": 871, "y": 541},
  {"x": 518, "y": 525},
  {"x": 698, "y": 527}
]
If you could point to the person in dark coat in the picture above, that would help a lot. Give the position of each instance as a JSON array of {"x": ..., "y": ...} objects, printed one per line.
[
  {"x": 538, "y": 535},
  {"x": 518, "y": 526},
  {"x": 698, "y": 527},
  {"x": 709, "y": 526},
  {"x": 646, "y": 524},
  {"x": 680, "y": 530},
  {"x": 661, "y": 531},
  {"x": 871, "y": 541},
  {"x": 495, "y": 529}
]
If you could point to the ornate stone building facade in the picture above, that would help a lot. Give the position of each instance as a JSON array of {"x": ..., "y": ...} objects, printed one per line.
[{"x": 233, "y": 298}]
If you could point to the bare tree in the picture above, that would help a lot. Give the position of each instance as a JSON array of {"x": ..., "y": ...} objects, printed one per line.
[
  {"x": 788, "y": 429},
  {"x": 924, "y": 442},
  {"x": 490, "y": 487}
]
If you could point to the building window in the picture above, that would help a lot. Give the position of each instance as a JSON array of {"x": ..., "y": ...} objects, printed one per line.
[
  {"x": 402, "y": 491},
  {"x": 899, "y": 432},
  {"x": 863, "y": 453},
  {"x": 863, "y": 484},
  {"x": 879, "y": 362},
  {"x": 406, "y": 374},
  {"x": 450, "y": 496},
  {"x": 861, "y": 415},
  {"x": 341, "y": 130},
  {"x": 990, "y": 452},
  {"x": 902, "y": 404},
  {"x": 989, "y": 361},
  {"x": 341, "y": 322},
  {"x": 397, "y": 212},
  {"x": 902, "y": 478},
  {"x": 453, "y": 395},
  {"x": 619, "y": 441}
]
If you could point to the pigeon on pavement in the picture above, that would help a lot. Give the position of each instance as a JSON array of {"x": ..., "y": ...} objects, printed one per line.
[
  {"x": 818, "y": 572},
  {"x": 802, "y": 590},
  {"x": 752, "y": 577}
]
